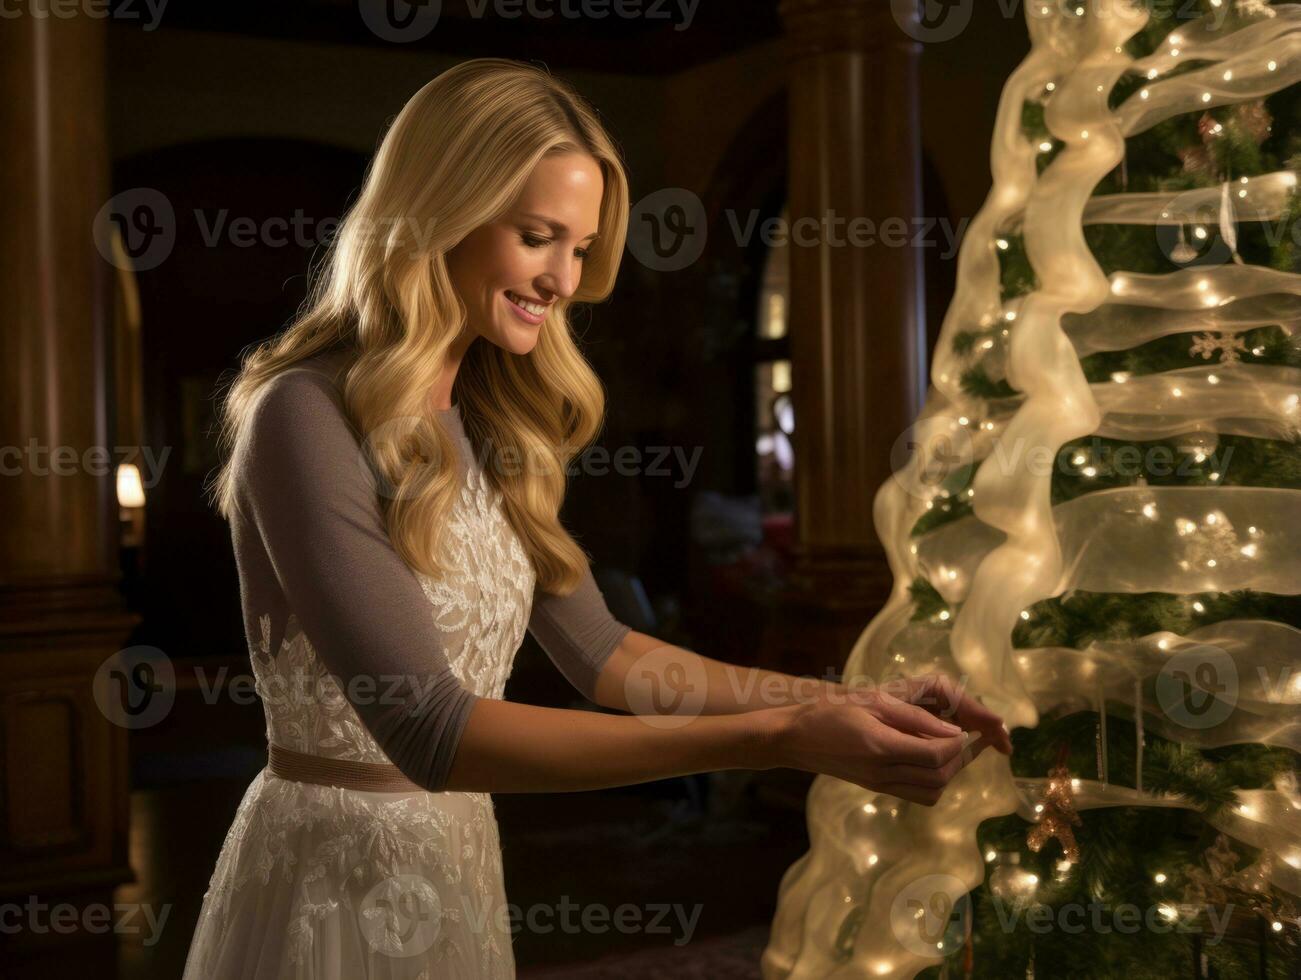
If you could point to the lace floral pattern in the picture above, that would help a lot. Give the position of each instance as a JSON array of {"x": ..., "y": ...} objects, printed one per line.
[{"x": 318, "y": 881}]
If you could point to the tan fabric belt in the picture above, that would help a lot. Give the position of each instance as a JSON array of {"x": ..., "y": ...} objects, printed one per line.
[{"x": 367, "y": 777}]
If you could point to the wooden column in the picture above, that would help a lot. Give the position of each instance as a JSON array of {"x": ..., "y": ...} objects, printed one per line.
[
  {"x": 857, "y": 317},
  {"x": 63, "y": 778}
]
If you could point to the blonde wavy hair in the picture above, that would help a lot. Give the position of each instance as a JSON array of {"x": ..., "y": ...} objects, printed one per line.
[{"x": 456, "y": 157}]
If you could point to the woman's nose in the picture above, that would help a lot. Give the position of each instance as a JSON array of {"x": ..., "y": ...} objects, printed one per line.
[{"x": 562, "y": 278}]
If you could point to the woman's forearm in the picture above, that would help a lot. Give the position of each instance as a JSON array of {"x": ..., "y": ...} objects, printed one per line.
[
  {"x": 507, "y": 747},
  {"x": 647, "y": 675}
]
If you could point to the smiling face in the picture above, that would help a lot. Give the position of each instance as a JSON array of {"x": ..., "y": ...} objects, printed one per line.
[{"x": 532, "y": 255}]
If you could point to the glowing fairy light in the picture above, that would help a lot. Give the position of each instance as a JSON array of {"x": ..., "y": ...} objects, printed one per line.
[
  {"x": 1120, "y": 377},
  {"x": 1025, "y": 614},
  {"x": 1159, "y": 878},
  {"x": 1149, "y": 511},
  {"x": 1045, "y": 147},
  {"x": 1002, "y": 243},
  {"x": 1199, "y": 607}
]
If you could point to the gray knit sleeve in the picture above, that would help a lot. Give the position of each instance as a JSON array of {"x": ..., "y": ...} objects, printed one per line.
[
  {"x": 577, "y": 631},
  {"x": 304, "y": 484}
]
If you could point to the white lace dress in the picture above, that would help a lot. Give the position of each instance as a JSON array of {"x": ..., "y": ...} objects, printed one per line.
[{"x": 322, "y": 882}]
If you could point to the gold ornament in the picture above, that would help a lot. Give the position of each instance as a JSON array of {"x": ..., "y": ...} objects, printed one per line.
[{"x": 1057, "y": 816}]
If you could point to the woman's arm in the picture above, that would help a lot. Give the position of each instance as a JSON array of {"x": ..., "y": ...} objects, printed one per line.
[
  {"x": 869, "y": 740},
  {"x": 508, "y": 747},
  {"x": 647, "y": 675}
]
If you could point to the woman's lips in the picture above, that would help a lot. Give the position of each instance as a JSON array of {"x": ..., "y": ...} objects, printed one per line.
[{"x": 523, "y": 314}]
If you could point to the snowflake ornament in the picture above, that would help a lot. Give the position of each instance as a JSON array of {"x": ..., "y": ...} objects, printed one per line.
[{"x": 1228, "y": 346}]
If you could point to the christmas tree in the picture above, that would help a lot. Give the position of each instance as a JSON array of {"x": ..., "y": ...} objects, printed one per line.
[{"x": 1097, "y": 532}]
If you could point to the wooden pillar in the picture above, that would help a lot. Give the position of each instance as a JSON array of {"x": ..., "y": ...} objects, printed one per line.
[
  {"x": 857, "y": 316},
  {"x": 64, "y": 777}
]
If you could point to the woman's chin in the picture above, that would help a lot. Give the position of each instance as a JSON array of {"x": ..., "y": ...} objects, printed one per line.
[{"x": 517, "y": 339}]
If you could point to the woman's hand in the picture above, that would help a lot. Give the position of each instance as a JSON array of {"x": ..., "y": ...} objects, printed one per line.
[
  {"x": 888, "y": 743},
  {"x": 937, "y": 695}
]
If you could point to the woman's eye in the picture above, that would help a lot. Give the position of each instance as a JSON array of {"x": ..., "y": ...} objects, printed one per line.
[{"x": 533, "y": 241}]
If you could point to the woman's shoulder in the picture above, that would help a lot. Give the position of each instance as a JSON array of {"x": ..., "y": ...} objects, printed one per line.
[{"x": 301, "y": 408}]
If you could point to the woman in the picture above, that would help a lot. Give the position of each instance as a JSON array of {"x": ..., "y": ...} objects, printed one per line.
[{"x": 396, "y": 467}]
